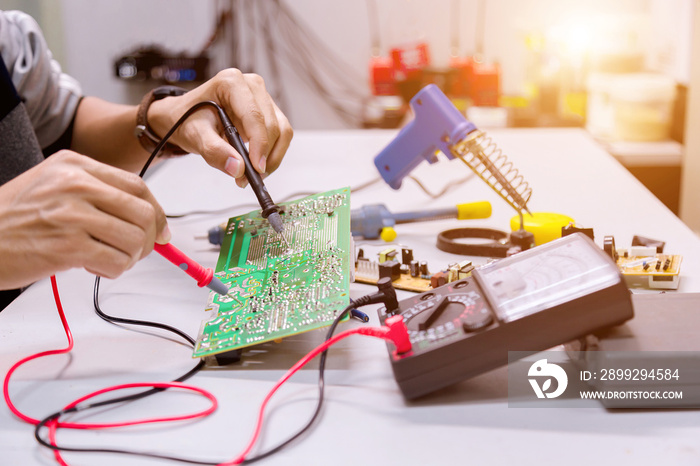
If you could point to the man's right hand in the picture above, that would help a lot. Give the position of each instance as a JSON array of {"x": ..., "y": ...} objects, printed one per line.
[{"x": 72, "y": 211}]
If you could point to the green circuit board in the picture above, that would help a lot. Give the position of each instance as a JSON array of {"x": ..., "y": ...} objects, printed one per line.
[{"x": 279, "y": 288}]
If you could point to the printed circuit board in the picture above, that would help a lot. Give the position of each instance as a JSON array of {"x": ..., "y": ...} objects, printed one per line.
[{"x": 279, "y": 288}]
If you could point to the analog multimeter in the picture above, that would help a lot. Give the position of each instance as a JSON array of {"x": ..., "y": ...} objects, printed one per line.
[{"x": 528, "y": 302}]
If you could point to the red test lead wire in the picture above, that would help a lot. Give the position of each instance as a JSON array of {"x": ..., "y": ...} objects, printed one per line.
[
  {"x": 69, "y": 336},
  {"x": 54, "y": 424},
  {"x": 394, "y": 331}
]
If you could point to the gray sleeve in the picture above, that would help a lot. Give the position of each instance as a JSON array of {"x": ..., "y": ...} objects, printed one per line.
[{"x": 50, "y": 96}]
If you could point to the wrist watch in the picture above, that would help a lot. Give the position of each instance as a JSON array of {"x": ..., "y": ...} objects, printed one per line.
[{"x": 148, "y": 139}]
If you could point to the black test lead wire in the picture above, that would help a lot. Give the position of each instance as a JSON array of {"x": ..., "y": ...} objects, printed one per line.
[{"x": 193, "y": 371}]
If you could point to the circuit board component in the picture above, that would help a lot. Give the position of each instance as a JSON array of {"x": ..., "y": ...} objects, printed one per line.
[
  {"x": 656, "y": 272},
  {"x": 277, "y": 290},
  {"x": 409, "y": 274}
]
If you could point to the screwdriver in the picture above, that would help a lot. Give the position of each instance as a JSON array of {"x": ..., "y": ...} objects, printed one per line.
[
  {"x": 204, "y": 276},
  {"x": 270, "y": 210},
  {"x": 376, "y": 221}
]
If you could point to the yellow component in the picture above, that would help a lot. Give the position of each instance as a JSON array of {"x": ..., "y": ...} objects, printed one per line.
[
  {"x": 388, "y": 234},
  {"x": 470, "y": 210},
  {"x": 546, "y": 226},
  {"x": 387, "y": 255}
]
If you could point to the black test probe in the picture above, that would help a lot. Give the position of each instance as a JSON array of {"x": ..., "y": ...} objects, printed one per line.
[{"x": 270, "y": 210}]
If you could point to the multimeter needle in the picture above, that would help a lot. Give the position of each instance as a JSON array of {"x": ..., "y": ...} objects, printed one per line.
[{"x": 285, "y": 240}]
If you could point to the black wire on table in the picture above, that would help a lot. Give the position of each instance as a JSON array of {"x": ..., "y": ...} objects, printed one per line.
[
  {"x": 288, "y": 197},
  {"x": 121, "y": 399},
  {"x": 321, "y": 392}
]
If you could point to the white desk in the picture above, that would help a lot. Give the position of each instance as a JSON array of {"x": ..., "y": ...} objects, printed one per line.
[{"x": 365, "y": 419}]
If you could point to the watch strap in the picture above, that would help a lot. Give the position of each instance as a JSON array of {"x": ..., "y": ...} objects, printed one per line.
[{"x": 148, "y": 139}]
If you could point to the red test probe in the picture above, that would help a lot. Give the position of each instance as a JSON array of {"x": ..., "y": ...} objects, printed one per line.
[{"x": 204, "y": 276}]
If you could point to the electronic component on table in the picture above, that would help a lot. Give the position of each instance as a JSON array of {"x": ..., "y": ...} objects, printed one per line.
[
  {"x": 277, "y": 290},
  {"x": 528, "y": 302},
  {"x": 643, "y": 266},
  {"x": 572, "y": 228},
  {"x": 643, "y": 241},
  {"x": 409, "y": 274},
  {"x": 376, "y": 221},
  {"x": 656, "y": 271}
]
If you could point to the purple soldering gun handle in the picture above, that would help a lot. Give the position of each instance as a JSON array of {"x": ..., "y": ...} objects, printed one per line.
[{"x": 437, "y": 126}]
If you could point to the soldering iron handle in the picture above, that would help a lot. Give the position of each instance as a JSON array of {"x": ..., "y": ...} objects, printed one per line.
[{"x": 193, "y": 269}]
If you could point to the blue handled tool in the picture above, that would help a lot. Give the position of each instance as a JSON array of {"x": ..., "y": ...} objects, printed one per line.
[
  {"x": 436, "y": 127},
  {"x": 376, "y": 221},
  {"x": 439, "y": 126}
]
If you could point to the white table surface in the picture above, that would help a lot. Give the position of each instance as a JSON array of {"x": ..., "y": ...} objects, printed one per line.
[{"x": 365, "y": 420}]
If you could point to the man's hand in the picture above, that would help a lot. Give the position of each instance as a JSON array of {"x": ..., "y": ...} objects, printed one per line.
[
  {"x": 72, "y": 211},
  {"x": 251, "y": 110}
]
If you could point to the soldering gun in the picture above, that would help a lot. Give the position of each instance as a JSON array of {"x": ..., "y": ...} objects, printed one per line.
[{"x": 439, "y": 127}]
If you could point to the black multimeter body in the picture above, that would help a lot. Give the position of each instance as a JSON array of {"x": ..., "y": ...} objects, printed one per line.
[{"x": 529, "y": 302}]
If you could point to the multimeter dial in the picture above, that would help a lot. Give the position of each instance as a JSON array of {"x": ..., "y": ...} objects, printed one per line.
[{"x": 445, "y": 313}]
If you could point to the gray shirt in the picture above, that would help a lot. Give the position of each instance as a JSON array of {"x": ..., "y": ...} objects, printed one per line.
[{"x": 50, "y": 96}]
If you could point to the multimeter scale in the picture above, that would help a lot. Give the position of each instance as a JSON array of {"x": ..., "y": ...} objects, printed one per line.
[{"x": 528, "y": 302}]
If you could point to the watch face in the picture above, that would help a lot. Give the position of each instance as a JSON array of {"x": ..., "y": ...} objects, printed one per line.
[{"x": 546, "y": 276}]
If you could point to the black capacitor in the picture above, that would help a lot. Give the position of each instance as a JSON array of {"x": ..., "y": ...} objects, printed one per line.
[
  {"x": 424, "y": 268},
  {"x": 414, "y": 268}
]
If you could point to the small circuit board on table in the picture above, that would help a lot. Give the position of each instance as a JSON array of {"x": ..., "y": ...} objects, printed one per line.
[
  {"x": 656, "y": 272},
  {"x": 278, "y": 290},
  {"x": 408, "y": 274}
]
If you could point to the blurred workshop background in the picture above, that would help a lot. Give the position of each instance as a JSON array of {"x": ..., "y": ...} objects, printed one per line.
[{"x": 622, "y": 69}]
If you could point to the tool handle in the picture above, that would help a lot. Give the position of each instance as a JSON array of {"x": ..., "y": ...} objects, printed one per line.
[
  {"x": 256, "y": 182},
  {"x": 437, "y": 126},
  {"x": 472, "y": 210},
  {"x": 191, "y": 268}
]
